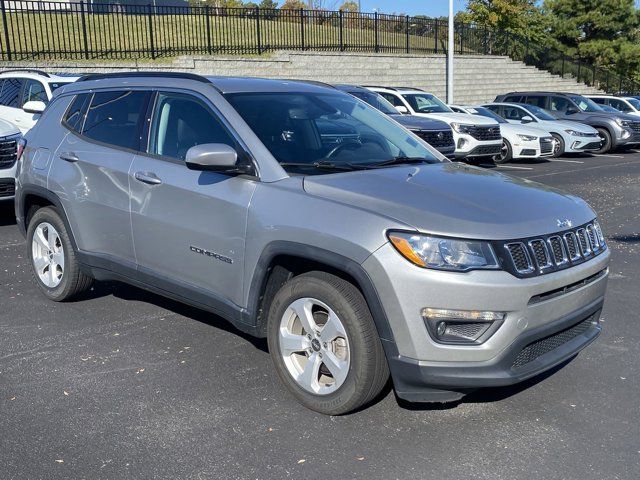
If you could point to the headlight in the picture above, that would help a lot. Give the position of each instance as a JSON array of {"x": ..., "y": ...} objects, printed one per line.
[
  {"x": 461, "y": 127},
  {"x": 527, "y": 138},
  {"x": 444, "y": 253},
  {"x": 578, "y": 134},
  {"x": 623, "y": 123}
]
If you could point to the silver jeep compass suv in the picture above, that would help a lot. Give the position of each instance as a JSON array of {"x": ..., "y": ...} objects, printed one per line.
[{"x": 303, "y": 215}]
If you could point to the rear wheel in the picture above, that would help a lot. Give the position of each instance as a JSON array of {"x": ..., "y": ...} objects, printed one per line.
[
  {"x": 324, "y": 344},
  {"x": 55, "y": 266},
  {"x": 606, "y": 140},
  {"x": 558, "y": 145},
  {"x": 506, "y": 152}
]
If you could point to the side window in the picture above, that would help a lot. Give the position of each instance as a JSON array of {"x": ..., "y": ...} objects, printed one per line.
[
  {"x": 559, "y": 104},
  {"x": 599, "y": 101},
  {"x": 537, "y": 100},
  {"x": 514, "y": 98},
  {"x": 74, "y": 117},
  {"x": 183, "y": 121},
  {"x": 33, "y": 91},
  {"x": 514, "y": 113},
  {"x": 620, "y": 105},
  {"x": 390, "y": 97},
  {"x": 116, "y": 118},
  {"x": 9, "y": 96}
]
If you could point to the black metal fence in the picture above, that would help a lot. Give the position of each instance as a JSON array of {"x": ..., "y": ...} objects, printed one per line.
[{"x": 43, "y": 30}]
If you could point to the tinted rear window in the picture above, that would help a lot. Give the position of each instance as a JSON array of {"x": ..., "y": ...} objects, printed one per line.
[{"x": 115, "y": 118}]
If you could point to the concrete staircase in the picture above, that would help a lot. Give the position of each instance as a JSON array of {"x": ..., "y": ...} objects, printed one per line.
[{"x": 476, "y": 78}]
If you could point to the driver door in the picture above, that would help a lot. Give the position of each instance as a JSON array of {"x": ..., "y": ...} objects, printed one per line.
[{"x": 188, "y": 226}]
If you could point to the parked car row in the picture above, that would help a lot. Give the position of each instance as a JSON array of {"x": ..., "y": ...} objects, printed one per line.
[{"x": 305, "y": 216}]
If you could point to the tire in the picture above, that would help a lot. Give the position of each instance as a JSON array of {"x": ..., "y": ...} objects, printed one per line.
[
  {"x": 558, "y": 147},
  {"x": 354, "y": 345},
  {"x": 47, "y": 238},
  {"x": 506, "y": 153},
  {"x": 606, "y": 140}
]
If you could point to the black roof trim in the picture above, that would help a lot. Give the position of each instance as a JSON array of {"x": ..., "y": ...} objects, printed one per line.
[
  {"x": 27, "y": 70},
  {"x": 185, "y": 76}
]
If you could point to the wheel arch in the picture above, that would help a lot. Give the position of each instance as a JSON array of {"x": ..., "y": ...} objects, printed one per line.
[{"x": 281, "y": 260}]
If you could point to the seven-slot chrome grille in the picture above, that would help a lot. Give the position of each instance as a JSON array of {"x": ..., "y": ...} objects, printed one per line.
[
  {"x": 8, "y": 151},
  {"x": 549, "y": 253}
]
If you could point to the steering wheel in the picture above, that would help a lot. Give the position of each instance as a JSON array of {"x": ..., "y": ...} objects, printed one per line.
[{"x": 351, "y": 144}]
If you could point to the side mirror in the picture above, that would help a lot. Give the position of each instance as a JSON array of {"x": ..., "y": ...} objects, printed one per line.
[
  {"x": 402, "y": 109},
  {"x": 34, "y": 106},
  {"x": 216, "y": 157},
  {"x": 527, "y": 119}
]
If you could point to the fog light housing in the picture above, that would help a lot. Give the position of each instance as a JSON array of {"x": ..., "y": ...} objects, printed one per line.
[
  {"x": 461, "y": 143},
  {"x": 461, "y": 326}
]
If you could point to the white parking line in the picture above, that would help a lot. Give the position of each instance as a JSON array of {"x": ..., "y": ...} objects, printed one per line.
[
  {"x": 606, "y": 155},
  {"x": 491, "y": 165},
  {"x": 565, "y": 161}
]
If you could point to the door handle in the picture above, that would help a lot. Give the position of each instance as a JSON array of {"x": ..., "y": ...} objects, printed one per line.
[
  {"x": 148, "y": 178},
  {"x": 69, "y": 157}
]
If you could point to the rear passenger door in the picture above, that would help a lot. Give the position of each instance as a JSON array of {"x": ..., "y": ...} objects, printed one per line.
[
  {"x": 90, "y": 170},
  {"x": 189, "y": 226}
]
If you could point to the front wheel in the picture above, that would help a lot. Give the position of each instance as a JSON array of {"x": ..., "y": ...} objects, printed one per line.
[
  {"x": 558, "y": 145},
  {"x": 506, "y": 153},
  {"x": 324, "y": 344},
  {"x": 605, "y": 146}
]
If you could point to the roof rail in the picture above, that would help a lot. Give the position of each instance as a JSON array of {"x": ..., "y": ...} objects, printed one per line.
[
  {"x": 185, "y": 76},
  {"x": 310, "y": 82},
  {"x": 409, "y": 88},
  {"x": 27, "y": 70},
  {"x": 379, "y": 86}
]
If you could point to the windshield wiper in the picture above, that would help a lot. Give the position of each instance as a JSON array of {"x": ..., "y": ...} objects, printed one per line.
[
  {"x": 401, "y": 160},
  {"x": 322, "y": 165}
]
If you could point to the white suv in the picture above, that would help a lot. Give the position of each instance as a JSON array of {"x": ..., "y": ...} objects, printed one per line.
[
  {"x": 9, "y": 136},
  {"x": 24, "y": 94},
  {"x": 474, "y": 136}
]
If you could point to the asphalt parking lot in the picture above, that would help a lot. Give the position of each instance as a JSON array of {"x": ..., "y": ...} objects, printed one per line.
[{"x": 126, "y": 384}]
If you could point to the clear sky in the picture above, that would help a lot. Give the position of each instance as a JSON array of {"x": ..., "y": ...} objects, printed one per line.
[{"x": 432, "y": 8}]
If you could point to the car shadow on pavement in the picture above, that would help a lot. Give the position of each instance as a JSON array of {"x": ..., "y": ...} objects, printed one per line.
[
  {"x": 127, "y": 292},
  {"x": 7, "y": 213},
  {"x": 633, "y": 238}
]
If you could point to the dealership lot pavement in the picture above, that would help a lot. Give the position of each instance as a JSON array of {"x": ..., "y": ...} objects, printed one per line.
[{"x": 126, "y": 384}]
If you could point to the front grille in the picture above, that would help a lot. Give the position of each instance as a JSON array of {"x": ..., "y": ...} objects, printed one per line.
[
  {"x": 485, "y": 133},
  {"x": 8, "y": 151},
  {"x": 549, "y": 253},
  {"x": 546, "y": 145},
  {"x": 635, "y": 126},
  {"x": 7, "y": 187},
  {"x": 437, "y": 139},
  {"x": 545, "y": 345},
  {"x": 485, "y": 150}
]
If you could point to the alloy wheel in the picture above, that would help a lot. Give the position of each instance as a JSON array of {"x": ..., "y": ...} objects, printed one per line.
[
  {"x": 314, "y": 346},
  {"x": 48, "y": 255}
]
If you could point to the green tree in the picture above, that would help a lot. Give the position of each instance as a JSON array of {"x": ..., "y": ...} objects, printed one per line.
[
  {"x": 349, "y": 6},
  {"x": 294, "y": 5},
  {"x": 268, "y": 4},
  {"x": 521, "y": 17},
  {"x": 601, "y": 31}
]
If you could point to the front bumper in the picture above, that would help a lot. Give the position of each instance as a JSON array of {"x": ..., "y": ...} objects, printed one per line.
[
  {"x": 533, "y": 353},
  {"x": 7, "y": 183},
  {"x": 467, "y": 146},
  {"x": 425, "y": 370}
]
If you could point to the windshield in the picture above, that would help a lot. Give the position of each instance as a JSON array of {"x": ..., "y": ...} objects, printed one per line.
[
  {"x": 635, "y": 103},
  {"x": 485, "y": 112},
  {"x": 426, "y": 103},
  {"x": 376, "y": 100},
  {"x": 539, "y": 112},
  {"x": 315, "y": 132},
  {"x": 585, "y": 104}
]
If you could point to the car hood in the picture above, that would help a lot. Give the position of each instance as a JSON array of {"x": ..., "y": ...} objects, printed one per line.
[
  {"x": 454, "y": 199},
  {"x": 7, "y": 128},
  {"x": 465, "y": 118},
  {"x": 515, "y": 129},
  {"x": 577, "y": 126},
  {"x": 414, "y": 122},
  {"x": 586, "y": 116}
]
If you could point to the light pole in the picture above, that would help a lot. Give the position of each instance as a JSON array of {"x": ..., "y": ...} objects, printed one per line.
[{"x": 450, "y": 56}]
